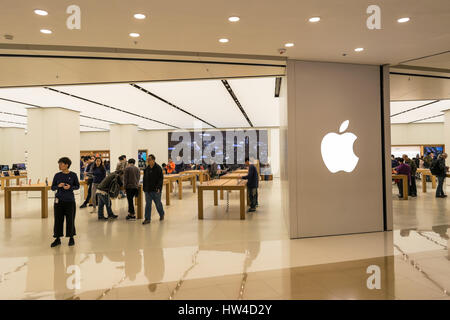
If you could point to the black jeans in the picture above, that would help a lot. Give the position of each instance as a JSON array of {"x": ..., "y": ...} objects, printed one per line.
[
  {"x": 131, "y": 193},
  {"x": 413, "y": 187},
  {"x": 89, "y": 192},
  {"x": 64, "y": 210},
  {"x": 252, "y": 192},
  {"x": 440, "y": 186},
  {"x": 400, "y": 188}
]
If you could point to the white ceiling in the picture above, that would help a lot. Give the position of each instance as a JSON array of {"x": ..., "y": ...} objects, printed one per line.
[
  {"x": 206, "y": 103},
  {"x": 422, "y": 111},
  {"x": 265, "y": 26}
]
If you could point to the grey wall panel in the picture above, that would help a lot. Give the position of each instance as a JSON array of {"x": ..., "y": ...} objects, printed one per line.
[{"x": 325, "y": 95}]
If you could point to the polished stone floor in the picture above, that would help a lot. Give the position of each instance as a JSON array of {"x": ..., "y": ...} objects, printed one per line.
[{"x": 222, "y": 257}]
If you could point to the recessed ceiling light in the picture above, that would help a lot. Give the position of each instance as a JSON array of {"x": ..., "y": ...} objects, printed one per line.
[
  {"x": 359, "y": 49},
  {"x": 234, "y": 19},
  {"x": 402, "y": 20},
  {"x": 314, "y": 19},
  {"x": 46, "y": 31},
  {"x": 134, "y": 34},
  {"x": 41, "y": 12},
  {"x": 140, "y": 16},
  {"x": 289, "y": 44},
  {"x": 223, "y": 40}
]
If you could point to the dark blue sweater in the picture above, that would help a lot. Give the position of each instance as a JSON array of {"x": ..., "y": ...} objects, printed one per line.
[
  {"x": 69, "y": 178},
  {"x": 252, "y": 177},
  {"x": 99, "y": 174}
]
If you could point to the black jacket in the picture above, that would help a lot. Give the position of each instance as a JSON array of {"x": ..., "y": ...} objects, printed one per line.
[
  {"x": 153, "y": 178},
  {"x": 441, "y": 165},
  {"x": 252, "y": 177}
]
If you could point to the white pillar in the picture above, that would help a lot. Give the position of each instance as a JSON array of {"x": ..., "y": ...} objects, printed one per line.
[
  {"x": 53, "y": 133},
  {"x": 447, "y": 139},
  {"x": 122, "y": 141},
  {"x": 12, "y": 146}
]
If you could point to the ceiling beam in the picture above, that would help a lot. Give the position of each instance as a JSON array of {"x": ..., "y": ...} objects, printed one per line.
[
  {"x": 415, "y": 108},
  {"x": 110, "y": 107},
  {"x": 439, "y": 115},
  {"x": 236, "y": 100},
  {"x": 169, "y": 103}
]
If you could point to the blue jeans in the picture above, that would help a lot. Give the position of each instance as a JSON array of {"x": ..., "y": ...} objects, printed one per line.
[
  {"x": 149, "y": 197},
  {"x": 104, "y": 200}
]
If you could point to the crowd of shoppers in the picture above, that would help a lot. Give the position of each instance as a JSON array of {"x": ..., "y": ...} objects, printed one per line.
[
  {"x": 104, "y": 186},
  {"x": 408, "y": 167}
]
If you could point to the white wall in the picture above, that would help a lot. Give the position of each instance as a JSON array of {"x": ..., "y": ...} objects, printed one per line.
[
  {"x": 417, "y": 133},
  {"x": 12, "y": 146},
  {"x": 156, "y": 142},
  {"x": 94, "y": 140}
]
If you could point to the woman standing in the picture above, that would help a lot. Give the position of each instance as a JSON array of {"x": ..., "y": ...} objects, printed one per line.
[
  {"x": 99, "y": 173},
  {"x": 64, "y": 183}
]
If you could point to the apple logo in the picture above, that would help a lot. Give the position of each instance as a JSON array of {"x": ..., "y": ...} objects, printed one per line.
[{"x": 337, "y": 150}]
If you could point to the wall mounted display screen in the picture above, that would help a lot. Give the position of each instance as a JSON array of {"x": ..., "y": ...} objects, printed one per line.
[
  {"x": 437, "y": 150},
  {"x": 142, "y": 158},
  {"x": 222, "y": 147}
]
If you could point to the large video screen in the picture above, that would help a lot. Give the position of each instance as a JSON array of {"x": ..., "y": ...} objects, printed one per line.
[{"x": 223, "y": 147}]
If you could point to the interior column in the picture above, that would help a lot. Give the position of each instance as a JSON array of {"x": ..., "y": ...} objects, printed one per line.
[
  {"x": 123, "y": 141},
  {"x": 53, "y": 133}
]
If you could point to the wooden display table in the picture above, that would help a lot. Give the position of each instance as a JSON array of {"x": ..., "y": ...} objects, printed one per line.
[
  {"x": 180, "y": 178},
  {"x": 5, "y": 181},
  {"x": 224, "y": 184},
  {"x": 201, "y": 174},
  {"x": 241, "y": 171},
  {"x": 32, "y": 187},
  {"x": 404, "y": 178},
  {"x": 232, "y": 175},
  {"x": 426, "y": 172},
  {"x": 140, "y": 199}
]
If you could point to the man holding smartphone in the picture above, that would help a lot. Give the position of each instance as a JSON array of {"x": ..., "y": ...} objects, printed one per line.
[{"x": 64, "y": 183}]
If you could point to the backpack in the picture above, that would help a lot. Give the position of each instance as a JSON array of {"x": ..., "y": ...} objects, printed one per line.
[
  {"x": 434, "y": 168},
  {"x": 114, "y": 187}
]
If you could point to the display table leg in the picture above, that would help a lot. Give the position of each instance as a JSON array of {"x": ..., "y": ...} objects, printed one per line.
[
  {"x": 167, "y": 194},
  {"x": 200, "y": 204},
  {"x": 242, "y": 198},
  {"x": 433, "y": 182},
  {"x": 424, "y": 183},
  {"x": 140, "y": 204},
  {"x": 7, "y": 204},
  {"x": 44, "y": 203},
  {"x": 180, "y": 188},
  {"x": 405, "y": 189},
  {"x": 216, "y": 201}
]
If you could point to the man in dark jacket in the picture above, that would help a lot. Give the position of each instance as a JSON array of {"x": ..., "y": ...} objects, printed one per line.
[
  {"x": 153, "y": 182},
  {"x": 104, "y": 198},
  {"x": 412, "y": 185},
  {"x": 441, "y": 174},
  {"x": 131, "y": 177},
  {"x": 252, "y": 184}
]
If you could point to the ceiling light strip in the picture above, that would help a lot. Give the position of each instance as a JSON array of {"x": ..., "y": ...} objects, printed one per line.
[
  {"x": 415, "y": 108},
  {"x": 36, "y": 106},
  {"x": 24, "y": 124},
  {"x": 13, "y": 114},
  {"x": 439, "y": 115},
  {"x": 113, "y": 108},
  {"x": 169, "y": 103},
  {"x": 236, "y": 100}
]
